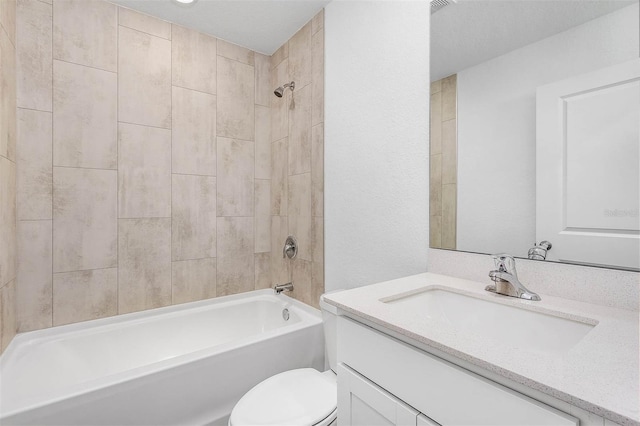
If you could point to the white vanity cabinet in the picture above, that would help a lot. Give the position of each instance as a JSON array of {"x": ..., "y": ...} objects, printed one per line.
[{"x": 383, "y": 381}]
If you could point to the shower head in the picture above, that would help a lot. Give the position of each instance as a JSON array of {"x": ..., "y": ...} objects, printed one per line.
[{"x": 280, "y": 90}]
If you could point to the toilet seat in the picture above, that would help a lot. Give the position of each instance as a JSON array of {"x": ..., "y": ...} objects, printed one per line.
[{"x": 298, "y": 397}]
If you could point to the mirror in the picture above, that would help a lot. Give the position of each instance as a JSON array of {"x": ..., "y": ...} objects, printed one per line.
[{"x": 534, "y": 130}]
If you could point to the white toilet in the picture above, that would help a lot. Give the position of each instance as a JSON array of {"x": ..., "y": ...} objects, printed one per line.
[{"x": 301, "y": 397}]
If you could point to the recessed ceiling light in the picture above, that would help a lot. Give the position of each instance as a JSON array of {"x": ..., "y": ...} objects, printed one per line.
[{"x": 184, "y": 2}]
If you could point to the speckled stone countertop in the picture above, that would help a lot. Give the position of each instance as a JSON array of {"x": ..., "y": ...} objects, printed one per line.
[{"x": 599, "y": 374}]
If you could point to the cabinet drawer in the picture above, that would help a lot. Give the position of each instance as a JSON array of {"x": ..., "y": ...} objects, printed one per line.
[{"x": 443, "y": 391}]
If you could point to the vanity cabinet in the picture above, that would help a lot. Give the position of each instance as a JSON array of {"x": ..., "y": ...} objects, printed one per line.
[{"x": 384, "y": 380}]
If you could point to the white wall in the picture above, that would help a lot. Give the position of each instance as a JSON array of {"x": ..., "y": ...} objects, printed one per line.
[
  {"x": 496, "y": 127},
  {"x": 376, "y": 141}
]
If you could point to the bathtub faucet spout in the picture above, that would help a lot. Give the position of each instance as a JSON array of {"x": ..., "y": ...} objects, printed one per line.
[{"x": 283, "y": 287}]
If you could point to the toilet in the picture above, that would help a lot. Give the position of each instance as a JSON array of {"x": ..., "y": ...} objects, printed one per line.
[{"x": 300, "y": 397}]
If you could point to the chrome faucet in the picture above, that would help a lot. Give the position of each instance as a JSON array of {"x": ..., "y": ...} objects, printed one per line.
[
  {"x": 506, "y": 279},
  {"x": 283, "y": 287}
]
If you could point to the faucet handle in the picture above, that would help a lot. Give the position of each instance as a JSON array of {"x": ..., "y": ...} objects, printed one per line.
[{"x": 505, "y": 263}]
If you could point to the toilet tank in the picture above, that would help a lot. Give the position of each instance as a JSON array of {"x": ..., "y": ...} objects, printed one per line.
[{"x": 329, "y": 319}]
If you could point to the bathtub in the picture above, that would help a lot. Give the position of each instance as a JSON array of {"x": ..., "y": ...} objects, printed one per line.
[{"x": 184, "y": 364}]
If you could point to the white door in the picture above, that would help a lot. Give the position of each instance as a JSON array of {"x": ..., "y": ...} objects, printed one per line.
[
  {"x": 363, "y": 403},
  {"x": 587, "y": 167}
]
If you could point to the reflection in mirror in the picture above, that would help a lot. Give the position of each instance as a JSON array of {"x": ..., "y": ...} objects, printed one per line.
[{"x": 519, "y": 79}]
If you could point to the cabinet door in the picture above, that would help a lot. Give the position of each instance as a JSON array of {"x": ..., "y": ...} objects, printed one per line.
[{"x": 363, "y": 403}]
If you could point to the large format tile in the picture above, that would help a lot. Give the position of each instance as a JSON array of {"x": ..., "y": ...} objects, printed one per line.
[
  {"x": 33, "y": 55},
  {"x": 144, "y": 79},
  {"x": 300, "y": 132},
  {"x": 317, "y": 239},
  {"x": 235, "y": 177},
  {"x": 317, "y": 76},
  {"x": 317, "y": 22},
  {"x": 34, "y": 290},
  {"x": 449, "y": 216},
  {"x": 144, "y": 171},
  {"x": 84, "y": 219},
  {"x": 86, "y": 32},
  {"x": 449, "y": 97},
  {"x": 7, "y": 98},
  {"x": 435, "y": 185},
  {"x": 84, "y": 295},
  {"x": 280, "y": 266},
  {"x": 193, "y": 132},
  {"x": 8, "y": 18},
  {"x": 263, "y": 215},
  {"x": 85, "y": 122},
  {"x": 317, "y": 283},
  {"x": 279, "y": 178},
  {"x": 193, "y": 217},
  {"x": 449, "y": 152},
  {"x": 235, "y": 52},
  {"x": 300, "y": 56},
  {"x": 7, "y": 221},
  {"x": 317, "y": 170},
  {"x": 264, "y": 91},
  {"x": 144, "y": 264},
  {"x": 193, "y": 60},
  {"x": 435, "y": 128},
  {"x": 235, "y": 255},
  {"x": 263, "y": 142},
  {"x": 193, "y": 280},
  {"x": 280, "y": 55},
  {"x": 145, "y": 23},
  {"x": 301, "y": 279},
  {"x": 7, "y": 314},
  {"x": 263, "y": 270},
  {"x": 236, "y": 93},
  {"x": 35, "y": 170},
  {"x": 299, "y": 213},
  {"x": 280, "y": 106}
]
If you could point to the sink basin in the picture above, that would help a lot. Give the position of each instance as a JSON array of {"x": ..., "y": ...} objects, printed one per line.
[{"x": 500, "y": 323}]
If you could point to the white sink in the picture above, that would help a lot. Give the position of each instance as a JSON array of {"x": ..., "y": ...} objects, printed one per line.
[{"x": 500, "y": 323}]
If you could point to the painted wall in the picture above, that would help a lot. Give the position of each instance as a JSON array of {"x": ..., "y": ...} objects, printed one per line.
[
  {"x": 496, "y": 127},
  {"x": 7, "y": 172},
  {"x": 297, "y": 178},
  {"x": 144, "y": 164},
  {"x": 376, "y": 141}
]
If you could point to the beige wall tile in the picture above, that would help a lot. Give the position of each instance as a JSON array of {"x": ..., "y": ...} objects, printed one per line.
[
  {"x": 84, "y": 219},
  {"x": 317, "y": 23},
  {"x": 7, "y": 221},
  {"x": 8, "y": 18},
  {"x": 435, "y": 128},
  {"x": 144, "y": 171},
  {"x": 34, "y": 289},
  {"x": 280, "y": 55},
  {"x": 7, "y": 98},
  {"x": 299, "y": 213},
  {"x": 144, "y": 264},
  {"x": 449, "y": 97},
  {"x": 435, "y": 231},
  {"x": 301, "y": 279},
  {"x": 317, "y": 283},
  {"x": 279, "y": 178},
  {"x": 7, "y": 314},
  {"x": 236, "y": 99},
  {"x": 84, "y": 295},
  {"x": 300, "y": 132},
  {"x": 235, "y": 52},
  {"x": 193, "y": 59},
  {"x": 84, "y": 116},
  {"x": 35, "y": 170},
  {"x": 263, "y": 142},
  {"x": 262, "y": 215},
  {"x": 193, "y": 132},
  {"x": 235, "y": 177},
  {"x": 436, "y": 86},
  {"x": 193, "y": 280},
  {"x": 449, "y": 216},
  {"x": 236, "y": 267},
  {"x": 85, "y": 32},
  {"x": 145, "y": 23},
  {"x": 435, "y": 185},
  {"x": 300, "y": 227},
  {"x": 280, "y": 106},
  {"x": 193, "y": 217},
  {"x": 300, "y": 56},
  {"x": 33, "y": 55},
  {"x": 264, "y": 91},
  {"x": 263, "y": 270},
  {"x": 144, "y": 78},
  {"x": 317, "y": 239},
  {"x": 449, "y": 152},
  {"x": 317, "y": 74},
  {"x": 280, "y": 267},
  {"x": 317, "y": 170}
]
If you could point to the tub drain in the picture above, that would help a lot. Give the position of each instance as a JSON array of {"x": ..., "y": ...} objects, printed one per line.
[{"x": 285, "y": 314}]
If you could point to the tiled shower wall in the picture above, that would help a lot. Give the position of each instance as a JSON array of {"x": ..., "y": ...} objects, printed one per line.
[
  {"x": 7, "y": 171},
  {"x": 297, "y": 179},
  {"x": 144, "y": 175}
]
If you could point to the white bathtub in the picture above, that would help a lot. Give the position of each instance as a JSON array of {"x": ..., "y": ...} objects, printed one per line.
[{"x": 185, "y": 364}]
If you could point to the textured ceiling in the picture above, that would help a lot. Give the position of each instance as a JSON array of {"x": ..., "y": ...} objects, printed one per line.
[
  {"x": 470, "y": 32},
  {"x": 260, "y": 25}
]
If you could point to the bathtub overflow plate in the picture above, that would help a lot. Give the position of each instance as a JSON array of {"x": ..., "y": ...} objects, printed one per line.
[{"x": 285, "y": 314}]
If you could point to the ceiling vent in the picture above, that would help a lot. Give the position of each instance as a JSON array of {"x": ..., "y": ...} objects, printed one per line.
[{"x": 436, "y": 5}]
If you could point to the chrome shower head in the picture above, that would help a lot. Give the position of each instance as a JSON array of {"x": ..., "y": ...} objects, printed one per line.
[{"x": 280, "y": 90}]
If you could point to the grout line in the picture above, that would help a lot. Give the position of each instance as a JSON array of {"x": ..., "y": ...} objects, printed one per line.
[
  {"x": 193, "y": 174},
  {"x": 53, "y": 251},
  {"x": 85, "y": 270},
  {"x": 117, "y": 161},
  {"x": 171, "y": 164},
  {"x": 35, "y": 110},
  {"x": 142, "y": 31},
  {"x": 83, "y": 65},
  {"x": 144, "y": 125},
  {"x": 84, "y": 168},
  {"x": 193, "y": 90}
]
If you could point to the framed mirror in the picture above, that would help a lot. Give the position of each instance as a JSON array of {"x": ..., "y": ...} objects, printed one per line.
[{"x": 535, "y": 130}]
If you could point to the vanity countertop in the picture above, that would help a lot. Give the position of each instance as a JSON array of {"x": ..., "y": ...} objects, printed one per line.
[{"x": 599, "y": 374}]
